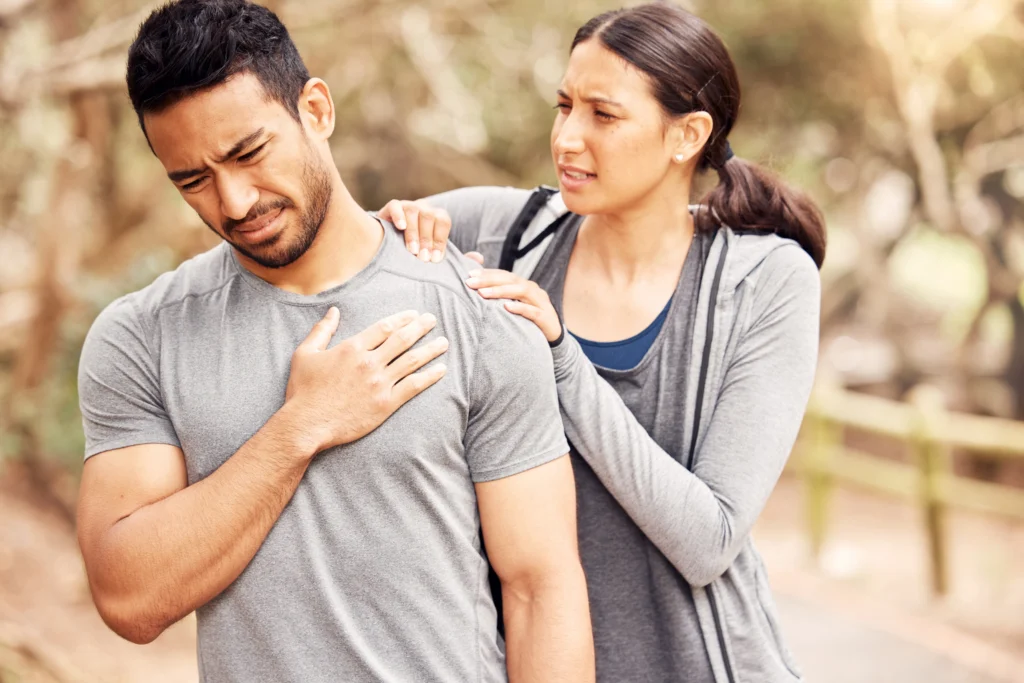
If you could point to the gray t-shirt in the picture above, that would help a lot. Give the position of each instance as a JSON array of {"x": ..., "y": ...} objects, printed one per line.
[{"x": 374, "y": 571}]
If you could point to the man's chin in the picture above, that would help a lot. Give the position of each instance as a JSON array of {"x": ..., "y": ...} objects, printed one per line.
[
  {"x": 275, "y": 252},
  {"x": 268, "y": 254}
]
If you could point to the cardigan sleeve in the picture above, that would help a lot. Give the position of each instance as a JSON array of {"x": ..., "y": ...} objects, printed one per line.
[{"x": 700, "y": 520}]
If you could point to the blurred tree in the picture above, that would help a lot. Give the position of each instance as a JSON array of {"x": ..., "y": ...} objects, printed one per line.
[{"x": 903, "y": 119}]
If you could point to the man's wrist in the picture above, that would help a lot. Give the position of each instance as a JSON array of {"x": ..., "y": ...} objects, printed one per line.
[{"x": 299, "y": 437}]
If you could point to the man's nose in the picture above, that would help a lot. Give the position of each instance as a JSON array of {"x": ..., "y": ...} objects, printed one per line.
[{"x": 237, "y": 195}]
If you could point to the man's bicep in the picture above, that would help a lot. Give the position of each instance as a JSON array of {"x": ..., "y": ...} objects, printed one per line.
[
  {"x": 514, "y": 422},
  {"x": 119, "y": 482},
  {"x": 529, "y": 522}
]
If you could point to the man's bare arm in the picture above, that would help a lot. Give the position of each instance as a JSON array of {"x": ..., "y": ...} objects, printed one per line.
[
  {"x": 529, "y": 525},
  {"x": 156, "y": 549}
]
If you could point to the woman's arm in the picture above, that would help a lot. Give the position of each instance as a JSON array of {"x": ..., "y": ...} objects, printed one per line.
[{"x": 700, "y": 520}]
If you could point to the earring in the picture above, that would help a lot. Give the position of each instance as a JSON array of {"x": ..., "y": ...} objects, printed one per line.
[{"x": 679, "y": 158}]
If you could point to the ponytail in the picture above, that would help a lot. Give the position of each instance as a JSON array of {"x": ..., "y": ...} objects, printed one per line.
[{"x": 749, "y": 198}]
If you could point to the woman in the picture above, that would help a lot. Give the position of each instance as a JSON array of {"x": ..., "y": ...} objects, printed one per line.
[{"x": 688, "y": 349}]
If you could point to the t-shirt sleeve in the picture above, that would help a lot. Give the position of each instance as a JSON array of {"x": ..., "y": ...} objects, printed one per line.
[
  {"x": 481, "y": 216},
  {"x": 118, "y": 384},
  {"x": 514, "y": 423}
]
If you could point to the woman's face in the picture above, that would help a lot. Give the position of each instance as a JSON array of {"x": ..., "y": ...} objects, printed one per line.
[{"x": 609, "y": 142}]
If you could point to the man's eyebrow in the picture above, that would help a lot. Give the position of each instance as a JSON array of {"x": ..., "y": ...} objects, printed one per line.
[
  {"x": 252, "y": 137},
  {"x": 591, "y": 100}
]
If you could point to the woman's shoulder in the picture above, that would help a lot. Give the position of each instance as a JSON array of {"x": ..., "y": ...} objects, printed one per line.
[{"x": 767, "y": 257}]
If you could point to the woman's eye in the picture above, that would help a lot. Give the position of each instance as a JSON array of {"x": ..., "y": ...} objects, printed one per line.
[
  {"x": 193, "y": 185},
  {"x": 564, "y": 106},
  {"x": 249, "y": 156},
  {"x": 604, "y": 116}
]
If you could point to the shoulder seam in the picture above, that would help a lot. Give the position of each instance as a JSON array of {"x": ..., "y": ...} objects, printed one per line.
[
  {"x": 459, "y": 295},
  {"x": 196, "y": 295}
]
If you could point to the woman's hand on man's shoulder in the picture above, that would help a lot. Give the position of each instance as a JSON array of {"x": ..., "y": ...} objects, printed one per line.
[{"x": 426, "y": 227}]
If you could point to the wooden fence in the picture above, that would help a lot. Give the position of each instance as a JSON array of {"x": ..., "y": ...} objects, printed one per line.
[{"x": 927, "y": 478}]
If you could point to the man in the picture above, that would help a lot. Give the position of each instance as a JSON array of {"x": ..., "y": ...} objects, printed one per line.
[{"x": 245, "y": 467}]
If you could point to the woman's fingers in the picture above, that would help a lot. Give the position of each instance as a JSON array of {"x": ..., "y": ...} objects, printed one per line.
[
  {"x": 501, "y": 284},
  {"x": 516, "y": 290},
  {"x": 475, "y": 256},
  {"x": 412, "y": 230},
  {"x": 543, "y": 316},
  {"x": 528, "y": 311},
  {"x": 440, "y": 227},
  {"x": 426, "y": 233},
  {"x": 426, "y": 227},
  {"x": 526, "y": 298},
  {"x": 393, "y": 212},
  {"x": 489, "y": 277},
  {"x": 405, "y": 216}
]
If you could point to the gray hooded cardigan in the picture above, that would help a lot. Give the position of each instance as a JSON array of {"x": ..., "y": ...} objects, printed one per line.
[{"x": 745, "y": 372}]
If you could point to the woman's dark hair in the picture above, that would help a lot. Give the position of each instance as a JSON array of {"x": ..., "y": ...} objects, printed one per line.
[
  {"x": 190, "y": 45},
  {"x": 690, "y": 70}
]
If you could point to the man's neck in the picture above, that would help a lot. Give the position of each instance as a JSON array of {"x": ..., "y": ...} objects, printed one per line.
[{"x": 346, "y": 243}]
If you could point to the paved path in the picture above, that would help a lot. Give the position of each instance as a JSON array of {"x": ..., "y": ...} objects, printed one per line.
[{"x": 832, "y": 648}]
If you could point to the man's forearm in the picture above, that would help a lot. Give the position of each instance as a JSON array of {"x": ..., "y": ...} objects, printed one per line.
[
  {"x": 164, "y": 560},
  {"x": 548, "y": 633}
]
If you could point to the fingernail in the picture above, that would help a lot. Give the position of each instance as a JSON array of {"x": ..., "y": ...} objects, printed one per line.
[
  {"x": 414, "y": 247},
  {"x": 436, "y": 256},
  {"x": 429, "y": 318},
  {"x": 441, "y": 342},
  {"x": 471, "y": 282},
  {"x": 424, "y": 255},
  {"x": 400, "y": 224},
  {"x": 474, "y": 272},
  {"x": 440, "y": 367}
]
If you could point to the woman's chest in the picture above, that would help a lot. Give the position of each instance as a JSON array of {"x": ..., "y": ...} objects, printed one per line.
[
  {"x": 604, "y": 311},
  {"x": 655, "y": 392}
]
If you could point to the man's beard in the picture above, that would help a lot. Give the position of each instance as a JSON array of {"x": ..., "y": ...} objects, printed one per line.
[{"x": 316, "y": 185}]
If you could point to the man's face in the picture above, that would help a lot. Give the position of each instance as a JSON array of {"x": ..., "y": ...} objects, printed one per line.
[{"x": 247, "y": 167}]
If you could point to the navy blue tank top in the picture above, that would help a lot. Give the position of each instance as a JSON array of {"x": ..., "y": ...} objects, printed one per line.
[{"x": 627, "y": 353}]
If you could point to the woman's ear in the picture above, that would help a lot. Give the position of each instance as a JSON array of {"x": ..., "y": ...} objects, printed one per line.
[
  {"x": 316, "y": 108},
  {"x": 688, "y": 135}
]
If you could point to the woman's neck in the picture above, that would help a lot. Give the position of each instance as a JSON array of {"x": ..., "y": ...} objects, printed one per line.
[{"x": 629, "y": 245}]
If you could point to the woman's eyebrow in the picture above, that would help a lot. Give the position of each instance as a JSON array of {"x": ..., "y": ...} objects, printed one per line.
[{"x": 592, "y": 100}]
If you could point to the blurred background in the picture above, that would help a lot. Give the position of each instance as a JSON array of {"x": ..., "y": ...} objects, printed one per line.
[{"x": 895, "y": 541}]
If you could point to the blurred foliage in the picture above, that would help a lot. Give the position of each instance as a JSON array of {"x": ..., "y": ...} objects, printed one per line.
[{"x": 905, "y": 120}]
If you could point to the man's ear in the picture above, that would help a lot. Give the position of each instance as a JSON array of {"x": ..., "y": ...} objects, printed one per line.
[{"x": 316, "y": 109}]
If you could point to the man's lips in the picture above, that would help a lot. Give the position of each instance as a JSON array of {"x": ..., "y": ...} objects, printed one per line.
[
  {"x": 258, "y": 223},
  {"x": 258, "y": 229}
]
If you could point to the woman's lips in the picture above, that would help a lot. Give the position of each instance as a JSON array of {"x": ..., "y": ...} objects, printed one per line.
[{"x": 572, "y": 179}]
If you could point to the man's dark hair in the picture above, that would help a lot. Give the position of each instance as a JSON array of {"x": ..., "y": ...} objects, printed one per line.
[{"x": 190, "y": 45}]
